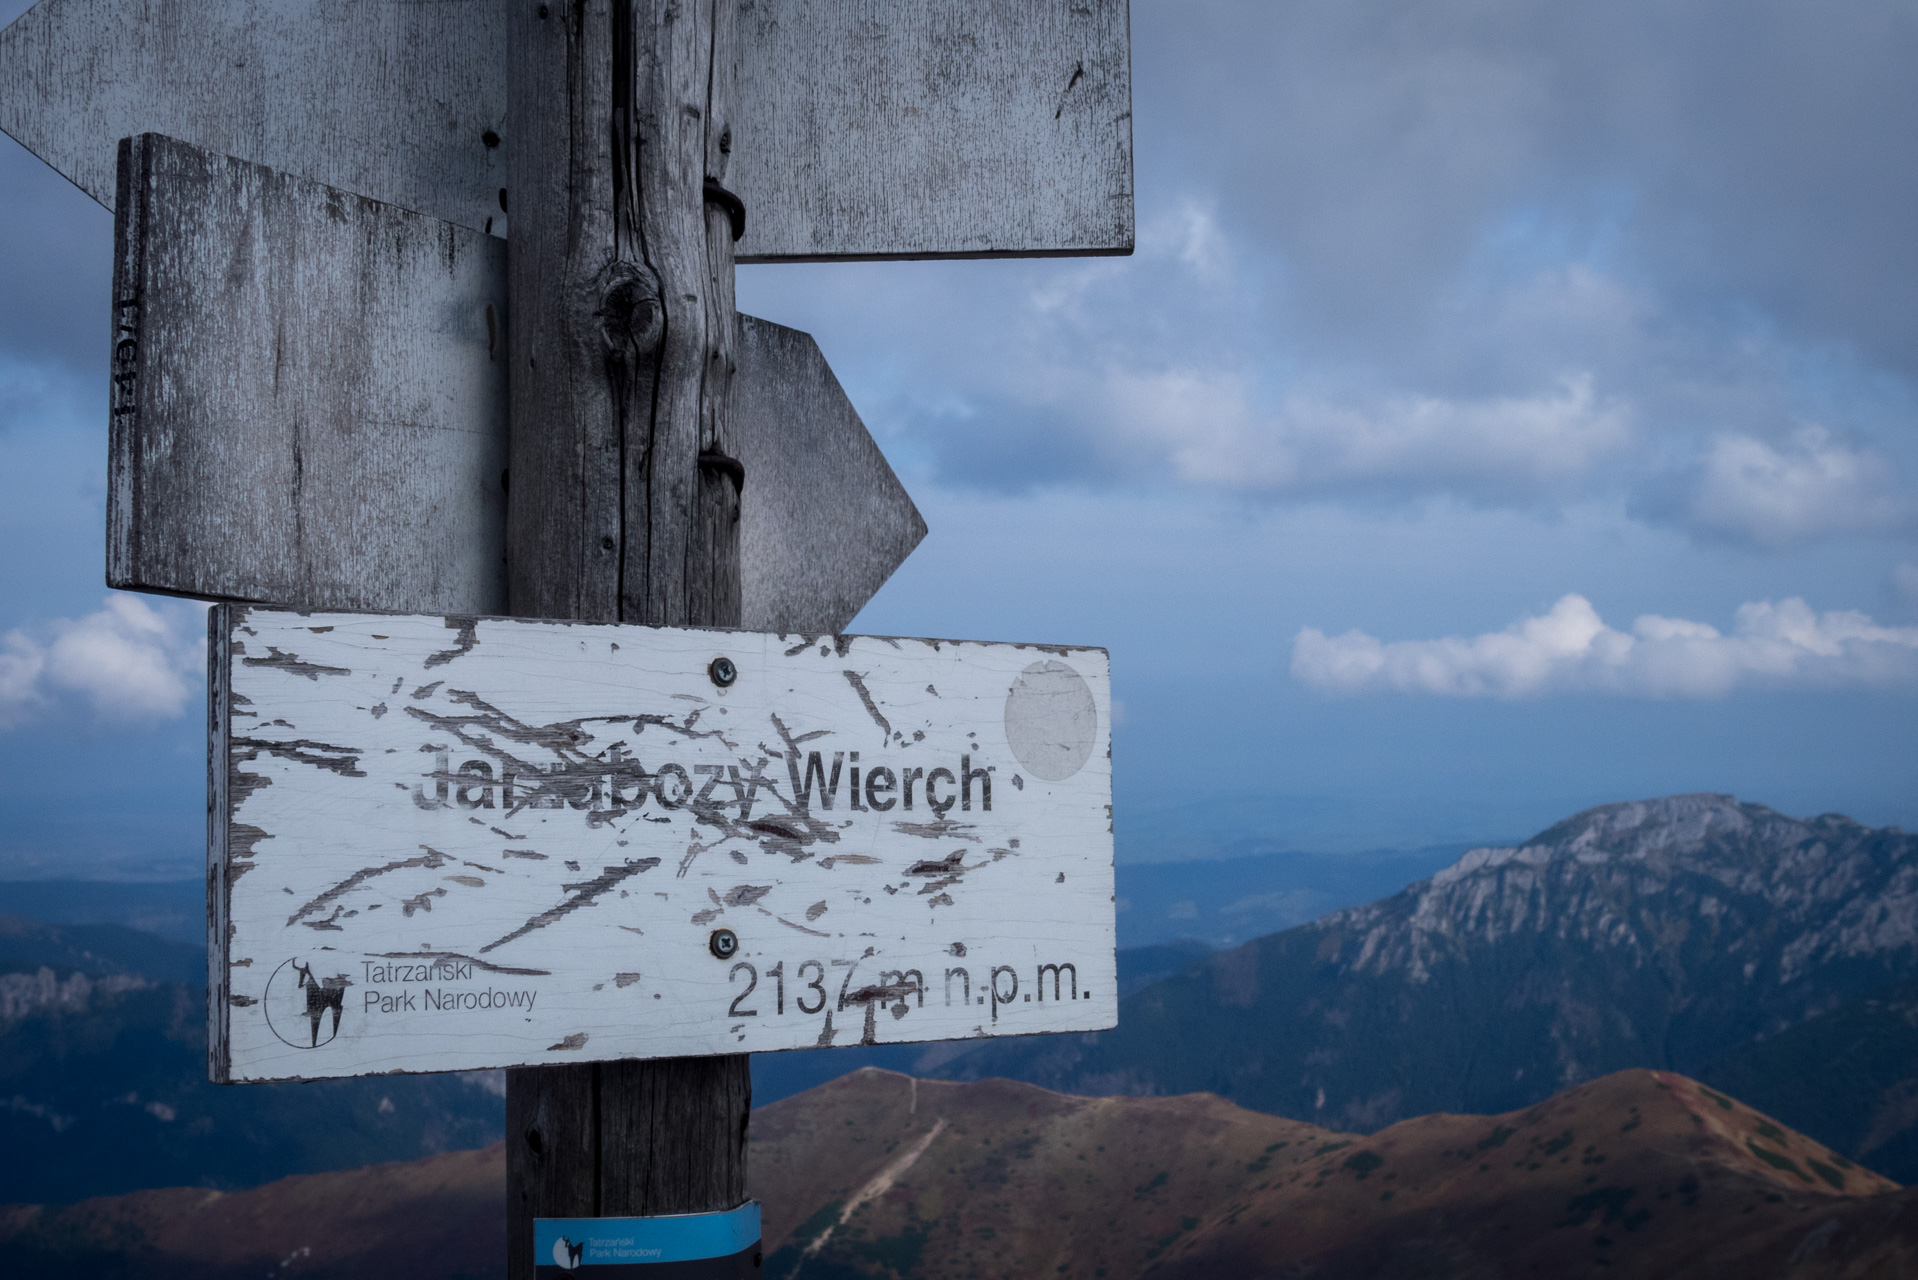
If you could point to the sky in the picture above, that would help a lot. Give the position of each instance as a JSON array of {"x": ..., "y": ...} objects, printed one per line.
[{"x": 1509, "y": 408}]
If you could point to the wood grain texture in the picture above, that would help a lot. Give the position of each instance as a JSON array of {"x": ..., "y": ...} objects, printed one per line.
[
  {"x": 825, "y": 522},
  {"x": 552, "y": 1153},
  {"x": 866, "y": 128},
  {"x": 668, "y": 67},
  {"x": 219, "y": 805},
  {"x": 306, "y": 404},
  {"x": 509, "y": 842},
  {"x": 676, "y": 1128},
  {"x": 619, "y": 385},
  {"x": 713, "y": 587},
  {"x": 386, "y": 98},
  {"x": 365, "y": 473},
  {"x": 583, "y": 348},
  {"x": 936, "y": 129}
]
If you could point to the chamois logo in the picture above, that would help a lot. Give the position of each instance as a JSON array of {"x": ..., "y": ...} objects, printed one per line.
[
  {"x": 566, "y": 1253},
  {"x": 302, "y": 1009}
]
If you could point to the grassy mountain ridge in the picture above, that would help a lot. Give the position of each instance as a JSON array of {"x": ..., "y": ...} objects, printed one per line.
[{"x": 878, "y": 1176}]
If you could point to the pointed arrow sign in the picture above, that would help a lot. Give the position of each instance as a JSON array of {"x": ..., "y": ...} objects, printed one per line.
[
  {"x": 309, "y": 408},
  {"x": 942, "y": 128}
]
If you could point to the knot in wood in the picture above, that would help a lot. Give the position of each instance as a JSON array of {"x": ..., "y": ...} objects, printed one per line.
[{"x": 629, "y": 312}]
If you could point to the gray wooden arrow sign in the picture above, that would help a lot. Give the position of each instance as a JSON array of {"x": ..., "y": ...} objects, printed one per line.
[
  {"x": 868, "y": 128},
  {"x": 308, "y": 408}
]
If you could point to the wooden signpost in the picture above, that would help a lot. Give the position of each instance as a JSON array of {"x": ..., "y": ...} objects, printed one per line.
[
  {"x": 328, "y": 426},
  {"x": 320, "y": 362}
]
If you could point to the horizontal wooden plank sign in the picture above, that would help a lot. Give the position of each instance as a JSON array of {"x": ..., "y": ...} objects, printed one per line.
[
  {"x": 445, "y": 843},
  {"x": 866, "y": 128}
]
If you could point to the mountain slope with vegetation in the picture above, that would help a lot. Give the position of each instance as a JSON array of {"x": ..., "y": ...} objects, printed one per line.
[
  {"x": 1850, "y": 1076},
  {"x": 879, "y": 1176}
]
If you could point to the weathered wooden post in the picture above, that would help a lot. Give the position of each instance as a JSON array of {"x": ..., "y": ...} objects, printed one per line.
[
  {"x": 624, "y": 495},
  {"x": 432, "y": 841}
]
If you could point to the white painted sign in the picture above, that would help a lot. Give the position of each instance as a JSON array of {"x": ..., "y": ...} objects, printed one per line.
[
  {"x": 453, "y": 843},
  {"x": 868, "y": 128}
]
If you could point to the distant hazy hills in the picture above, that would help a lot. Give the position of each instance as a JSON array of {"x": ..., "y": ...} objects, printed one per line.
[
  {"x": 1238, "y": 890},
  {"x": 1674, "y": 933},
  {"x": 103, "y": 1082},
  {"x": 879, "y": 1176}
]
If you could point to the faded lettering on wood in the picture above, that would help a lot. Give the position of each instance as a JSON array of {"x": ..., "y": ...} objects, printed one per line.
[
  {"x": 865, "y": 128},
  {"x": 450, "y": 843}
]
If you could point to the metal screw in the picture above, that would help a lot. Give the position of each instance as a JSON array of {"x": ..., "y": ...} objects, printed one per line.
[
  {"x": 723, "y": 943},
  {"x": 723, "y": 671}
]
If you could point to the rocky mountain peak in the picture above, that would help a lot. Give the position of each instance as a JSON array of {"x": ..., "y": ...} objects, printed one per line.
[
  {"x": 1662, "y": 933},
  {"x": 1656, "y": 877}
]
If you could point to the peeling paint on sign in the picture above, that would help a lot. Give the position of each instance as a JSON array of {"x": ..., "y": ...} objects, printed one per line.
[{"x": 447, "y": 843}]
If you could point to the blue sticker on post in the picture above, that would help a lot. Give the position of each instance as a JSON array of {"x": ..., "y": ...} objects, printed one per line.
[{"x": 688, "y": 1246}]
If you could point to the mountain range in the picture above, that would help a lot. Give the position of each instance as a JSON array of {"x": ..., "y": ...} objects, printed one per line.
[
  {"x": 879, "y": 1176},
  {"x": 1693, "y": 933},
  {"x": 1771, "y": 957}
]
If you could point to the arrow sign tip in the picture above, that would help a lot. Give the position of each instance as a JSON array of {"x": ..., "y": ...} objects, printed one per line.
[{"x": 824, "y": 521}]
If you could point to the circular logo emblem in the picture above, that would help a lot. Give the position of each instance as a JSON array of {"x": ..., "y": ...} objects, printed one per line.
[
  {"x": 1051, "y": 720},
  {"x": 303, "y": 1007}
]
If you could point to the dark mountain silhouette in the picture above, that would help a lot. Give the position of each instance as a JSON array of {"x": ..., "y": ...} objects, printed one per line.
[
  {"x": 1668, "y": 933},
  {"x": 97, "y": 949},
  {"x": 173, "y": 909},
  {"x": 879, "y": 1176},
  {"x": 1850, "y": 1075}
]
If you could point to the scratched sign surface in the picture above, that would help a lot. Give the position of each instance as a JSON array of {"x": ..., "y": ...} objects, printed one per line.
[{"x": 451, "y": 843}]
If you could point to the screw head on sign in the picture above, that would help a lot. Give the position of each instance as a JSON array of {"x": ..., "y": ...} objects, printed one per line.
[
  {"x": 723, "y": 671},
  {"x": 723, "y": 943}
]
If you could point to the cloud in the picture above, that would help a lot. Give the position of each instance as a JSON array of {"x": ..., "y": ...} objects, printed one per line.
[
  {"x": 1814, "y": 486},
  {"x": 1504, "y": 444},
  {"x": 1570, "y": 649},
  {"x": 130, "y": 661}
]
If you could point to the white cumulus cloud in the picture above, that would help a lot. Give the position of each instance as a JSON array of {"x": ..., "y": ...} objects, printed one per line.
[
  {"x": 1812, "y": 487},
  {"x": 1569, "y": 648},
  {"x": 129, "y": 661},
  {"x": 1212, "y": 435}
]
